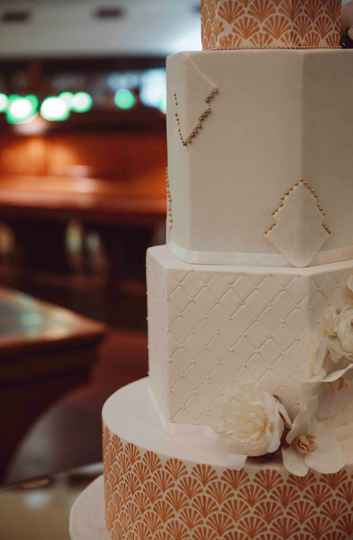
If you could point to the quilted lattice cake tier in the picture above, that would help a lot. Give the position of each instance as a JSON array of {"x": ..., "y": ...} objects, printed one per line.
[
  {"x": 158, "y": 487},
  {"x": 214, "y": 326},
  {"x": 266, "y": 24}
]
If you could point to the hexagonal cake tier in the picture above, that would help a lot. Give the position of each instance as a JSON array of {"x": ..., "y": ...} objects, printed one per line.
[
  {"x": 259, "y": 157},
  {"x": 211, "y": 327}
]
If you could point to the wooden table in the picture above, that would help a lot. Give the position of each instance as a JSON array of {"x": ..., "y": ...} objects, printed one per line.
[{"x": 45, "y": 351}]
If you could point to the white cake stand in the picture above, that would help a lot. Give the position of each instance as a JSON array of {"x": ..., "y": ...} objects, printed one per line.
[{"x": 87, "y": 515}]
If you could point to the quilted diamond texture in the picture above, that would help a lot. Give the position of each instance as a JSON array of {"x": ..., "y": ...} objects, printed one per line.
[{"x": 220, "y": 328}]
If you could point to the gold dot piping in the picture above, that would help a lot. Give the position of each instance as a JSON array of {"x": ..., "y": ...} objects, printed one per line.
[
  {"x": 201, "y": 120},
  {"x": 170, "y": 203},
  {"x": 285, "y": 198}
]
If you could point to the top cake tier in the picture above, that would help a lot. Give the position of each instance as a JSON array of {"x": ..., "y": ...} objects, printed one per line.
[{"x": 271, "y": 24}]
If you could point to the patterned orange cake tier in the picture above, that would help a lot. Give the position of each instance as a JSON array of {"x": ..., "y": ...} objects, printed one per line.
[
  {"x": 266, "y": 24},
  {"x": 149, "y": 496}
]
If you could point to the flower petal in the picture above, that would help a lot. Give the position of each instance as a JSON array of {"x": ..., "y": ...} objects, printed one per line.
[
  {"x": 336, "y": 350},
  {"x": 329, "y": 321},
  {"x": 336, "y": 375},
  {"x": 332, "y": 403},
  {"x": 300, "y": 426},
  {"x": 276, "y": 437},
  {"x": 236, "y": 462},
  {"x": 304, "y": 422},
  {"x": 318, "y": 368},
  {"x": 294, "y": 462},
  {"x": 328, "y": 458},
  {"x": 350, "y": 283},
  {"x": 345, "y": 440},
  {"x": 282, "y": 411}
]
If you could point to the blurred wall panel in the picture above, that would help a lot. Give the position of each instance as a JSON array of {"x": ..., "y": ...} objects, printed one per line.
[
  {"x": 112, "y": 156},
  {"x": 23, "y": 156},
  {"x": 87, "y": 155}
]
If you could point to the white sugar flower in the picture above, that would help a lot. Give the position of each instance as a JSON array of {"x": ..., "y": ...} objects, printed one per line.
[
  {"x": 334, "y": 356},
  {"x": 335, "y": 395},
  {"x": 321, "y": 362},
  {"x": 330, "y": 362},
  {"x": 329, "y": 322},
  {"x": 311, "y": 445},
  {"x": 253, "y": 422},
  {"x": 345, "y": 330},
  {"x": 350, "y": 289}
]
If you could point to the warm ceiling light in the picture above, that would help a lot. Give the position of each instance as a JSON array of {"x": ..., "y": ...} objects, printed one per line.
[
  {"x": 16, "y": 16},
  {"x": 108, "y": 12}
]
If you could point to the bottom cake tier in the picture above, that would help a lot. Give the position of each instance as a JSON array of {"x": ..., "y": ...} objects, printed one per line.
[{"x": 163, "y": 485}]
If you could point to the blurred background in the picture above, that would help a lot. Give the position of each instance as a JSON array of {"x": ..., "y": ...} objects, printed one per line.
[{"x": 82, "y": 196}]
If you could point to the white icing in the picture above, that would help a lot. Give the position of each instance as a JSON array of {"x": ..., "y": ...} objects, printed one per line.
[
  {"x": 131, "y": 415},
  {"x": 189, "y": 113},
  {"x": 299, "y": 231},
  {"x": 255, "y": 259},
  {"x": 279, "y": 116},
  {"x": 145, "y": 429},
  {"x": 210, "y": 326}
]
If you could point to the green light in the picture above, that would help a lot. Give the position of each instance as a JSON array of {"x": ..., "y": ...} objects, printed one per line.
[
  {"x": 20, "y": 109},
  {"x": 34, "y": 100},
  {"x": 54, "y": 109},
  {"x": 125, "y": 99},
  {"x": 4, "y": 101},
  {"x": 67, "y": 97},
  {"x": 81, "y": 102}
]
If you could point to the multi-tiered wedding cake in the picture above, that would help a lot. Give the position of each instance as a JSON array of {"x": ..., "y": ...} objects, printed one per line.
[{"x": 243, "y": 428}]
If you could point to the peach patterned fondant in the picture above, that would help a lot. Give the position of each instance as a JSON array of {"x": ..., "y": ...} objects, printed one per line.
[
  {"x": 149, "y": 496},
  {"x": 266, "y": 24}
]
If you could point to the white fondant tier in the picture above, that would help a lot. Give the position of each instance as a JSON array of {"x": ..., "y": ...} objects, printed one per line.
[
  {"x": 87, "y": 517},
  {"x": 260, "y": 159},
  {"x": 160, "y": 487},
  {"x": 214, "y": 326}
]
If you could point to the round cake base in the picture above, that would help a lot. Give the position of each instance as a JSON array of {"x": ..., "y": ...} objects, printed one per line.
[
  {"x": 87, "y": 520},
  {"x": 160, "y": 486}
]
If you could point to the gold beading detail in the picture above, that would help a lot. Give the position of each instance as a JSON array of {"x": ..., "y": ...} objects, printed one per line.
[
  {"x": 170, "y": 203},
  {"x": 201, "y": 120},
  {"x": 284, "y": 200}
]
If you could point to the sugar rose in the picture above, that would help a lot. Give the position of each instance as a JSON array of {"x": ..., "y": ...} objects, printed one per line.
[
  {"x": 329, "y": 322},
  {"x": 253, "y": 422},
  {"x": 345, "y": 329}
]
